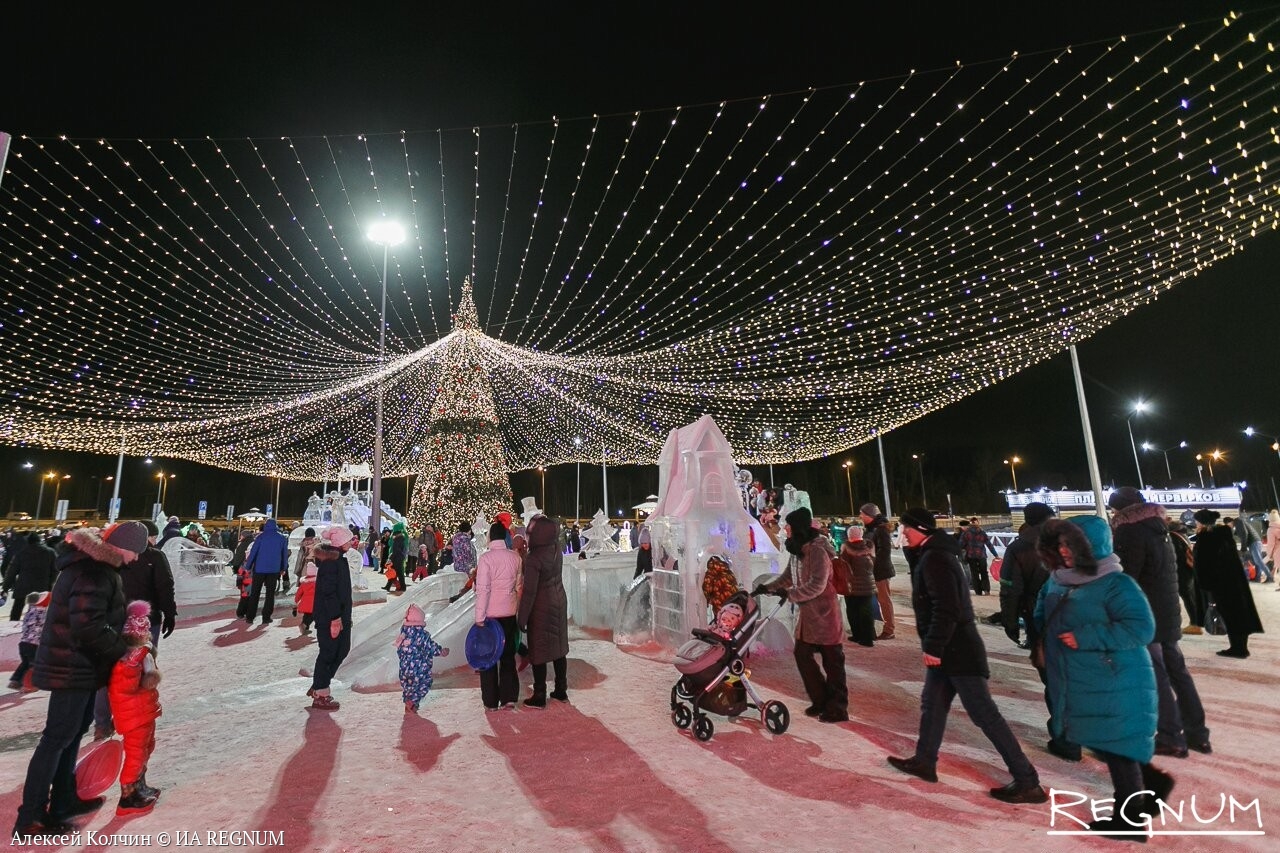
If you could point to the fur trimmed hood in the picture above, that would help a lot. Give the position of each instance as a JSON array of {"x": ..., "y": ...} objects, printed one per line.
[
  {"x": 1135, "y": 513},
  {"x": 94, "y": 546}
]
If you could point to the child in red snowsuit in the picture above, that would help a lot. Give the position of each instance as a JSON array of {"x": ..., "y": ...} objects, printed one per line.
[
  {"x": 135, "y": 705},
  {"x": 305, "y": 597}
]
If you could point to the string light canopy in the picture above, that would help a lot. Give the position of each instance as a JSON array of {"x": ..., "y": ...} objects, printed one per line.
[{"x": 819, "y": 266}]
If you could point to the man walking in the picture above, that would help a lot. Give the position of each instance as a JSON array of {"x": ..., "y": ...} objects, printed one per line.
[
  {"x": 268, "y": 558},
  {"x": 1140, "y": 538},
  {"x": 955, "y": 662},
  {"x": 80, "y": 644},
  {"x": 332, "y": 611},
  {"x": 975, "y": 543}
]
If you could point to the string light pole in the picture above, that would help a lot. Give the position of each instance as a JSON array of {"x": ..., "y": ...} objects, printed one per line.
[
  {"x": 848, "y": 480},
  {"x": 1138, "y": 408},
  {"x": 542, "y": 470},
  {"x": 768, "y": 436},
  {"x": 1012, "y": 462},
  {"x": 388, "y": 234},
  {"x": 1147, "y": 446},
  {"x": 577, "y": 492},
  {"x": 924, "y": 498}
]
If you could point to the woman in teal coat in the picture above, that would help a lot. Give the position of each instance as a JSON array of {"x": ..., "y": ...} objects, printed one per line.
[{"x": 1096, "y": 623}]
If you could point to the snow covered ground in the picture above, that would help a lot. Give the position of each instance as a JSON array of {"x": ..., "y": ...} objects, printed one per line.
[{"x": 238, "y": 750}]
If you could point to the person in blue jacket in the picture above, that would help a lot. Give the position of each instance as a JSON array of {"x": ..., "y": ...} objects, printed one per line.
[
  {"x": 1095, "y": 623},
  {"x": 268, "y": 557}
]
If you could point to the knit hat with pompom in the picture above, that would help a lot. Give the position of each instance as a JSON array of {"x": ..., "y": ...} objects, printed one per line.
[{"x": 138, "y": 621}]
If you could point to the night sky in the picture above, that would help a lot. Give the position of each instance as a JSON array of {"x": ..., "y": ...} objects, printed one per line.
[{"x": 1203, "y": 356}]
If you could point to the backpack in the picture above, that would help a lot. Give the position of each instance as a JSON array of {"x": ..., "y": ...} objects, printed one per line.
[{"x": 841, "y": 576}]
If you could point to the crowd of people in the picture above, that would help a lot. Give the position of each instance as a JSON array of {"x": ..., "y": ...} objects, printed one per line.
[{"x": 1096, "y": 603}]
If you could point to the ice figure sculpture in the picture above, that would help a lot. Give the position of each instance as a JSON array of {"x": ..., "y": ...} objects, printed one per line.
[
  {"x": 199, "y": 574},
  {"x": 793, "y": 499},
  {"x": 529, "y": 510},
  {"x": 373, "y": 663},
  {"x": 633, "y": 622},
  {"x": 599, "y": 535}
]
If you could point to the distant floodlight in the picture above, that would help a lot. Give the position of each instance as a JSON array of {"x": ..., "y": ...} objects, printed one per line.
[{"x": 386, "y": 233}]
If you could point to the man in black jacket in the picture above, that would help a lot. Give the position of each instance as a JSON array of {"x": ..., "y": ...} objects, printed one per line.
[
  {"x": 1021, "y": 576},
  {"x": 80, "y": 644},
  {"x": 877, "y": 533},
  {"x": 148, "y": 578},
  {"x": 30, "y": 571},
  {"x": 1140, "y": 536},
  {"x": 955, "y": 662}
]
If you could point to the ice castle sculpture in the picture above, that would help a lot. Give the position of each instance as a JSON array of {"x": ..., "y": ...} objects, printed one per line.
[{"x": 698, "y": 499}]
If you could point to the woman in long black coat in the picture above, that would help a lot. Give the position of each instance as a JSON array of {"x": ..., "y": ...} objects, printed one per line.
[
  {"x": 1220, "y": 573},
  {"x": 544, "y": 611}
]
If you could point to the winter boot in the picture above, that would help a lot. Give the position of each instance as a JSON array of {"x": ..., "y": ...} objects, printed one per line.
[
  {"x": 133, "y": 801},
  {"x": 145, "y": 789},
  {"x": 324, "y": 703},
  {"x": 538, "y": 699}
]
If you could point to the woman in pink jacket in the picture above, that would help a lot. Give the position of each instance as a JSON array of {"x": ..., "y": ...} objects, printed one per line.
[{"x": 498, "y": 597}]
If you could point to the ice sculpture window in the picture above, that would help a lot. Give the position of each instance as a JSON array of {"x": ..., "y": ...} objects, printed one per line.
[{"x": 713, "y": 490}]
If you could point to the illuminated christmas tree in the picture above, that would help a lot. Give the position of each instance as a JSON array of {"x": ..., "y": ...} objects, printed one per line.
[{"x": 464, "y": 472}]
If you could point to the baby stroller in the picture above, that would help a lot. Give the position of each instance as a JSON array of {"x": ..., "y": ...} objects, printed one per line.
[{"x": 714, "y": 678}]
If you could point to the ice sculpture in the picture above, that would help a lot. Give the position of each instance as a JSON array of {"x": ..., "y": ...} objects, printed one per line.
[
  {"x": 697, "y": 498},
  {"x": 599, "y": 535},
  {"x": 373, "y": 663},
  {"x": 199, "y": 574}
]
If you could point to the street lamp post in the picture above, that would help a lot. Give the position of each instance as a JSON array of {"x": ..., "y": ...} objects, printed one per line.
[
  {"x": 1165, "y": 450},
  {"x": 1012, "y": 462},
  {"x": 924, "y": 498},
  {"x": 1138, "y": 408},
  {"x": 1275, "y": 445},
  {"x": 40, "y": 497},
  {"x": 1208, "y": 459},
  {"x": 577, "y": 493},
  {"x": 543, "y": 471},
  {"x": 57, "y": 490},
  {"x": 388, "y": 234},
  {"x": 848, "y": 479},
  {"x": 159, "y": 486}
]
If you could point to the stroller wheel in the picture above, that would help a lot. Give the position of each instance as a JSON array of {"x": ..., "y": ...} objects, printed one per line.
[
  {"x": 776, "y": 717},
  {"x": 703, "y": 728},
  {"x": 681, "y": 717}
]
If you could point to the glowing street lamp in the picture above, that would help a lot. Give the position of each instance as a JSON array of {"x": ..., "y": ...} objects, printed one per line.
[
  {"x": 1138, "y": 408},
  {"x": 1012, "y": 462},
  {"x": 57, "y": 490},
  {"x": 40, "y": 497},
  {"x": 848, "y": 479},
  {"x": 1209, "y": 459},
  {"x": 388, "y": 234},
  {"x": 1147, "y": 446}
]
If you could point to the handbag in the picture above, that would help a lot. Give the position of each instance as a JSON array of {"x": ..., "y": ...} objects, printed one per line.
[{"x": 1213, "y": 623}]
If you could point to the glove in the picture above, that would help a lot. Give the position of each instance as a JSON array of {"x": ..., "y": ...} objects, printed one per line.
[
  {"x": 166, "y": 627},
  {"x": 759, "y": 590},
  {"x": 782, "y": 595}
]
